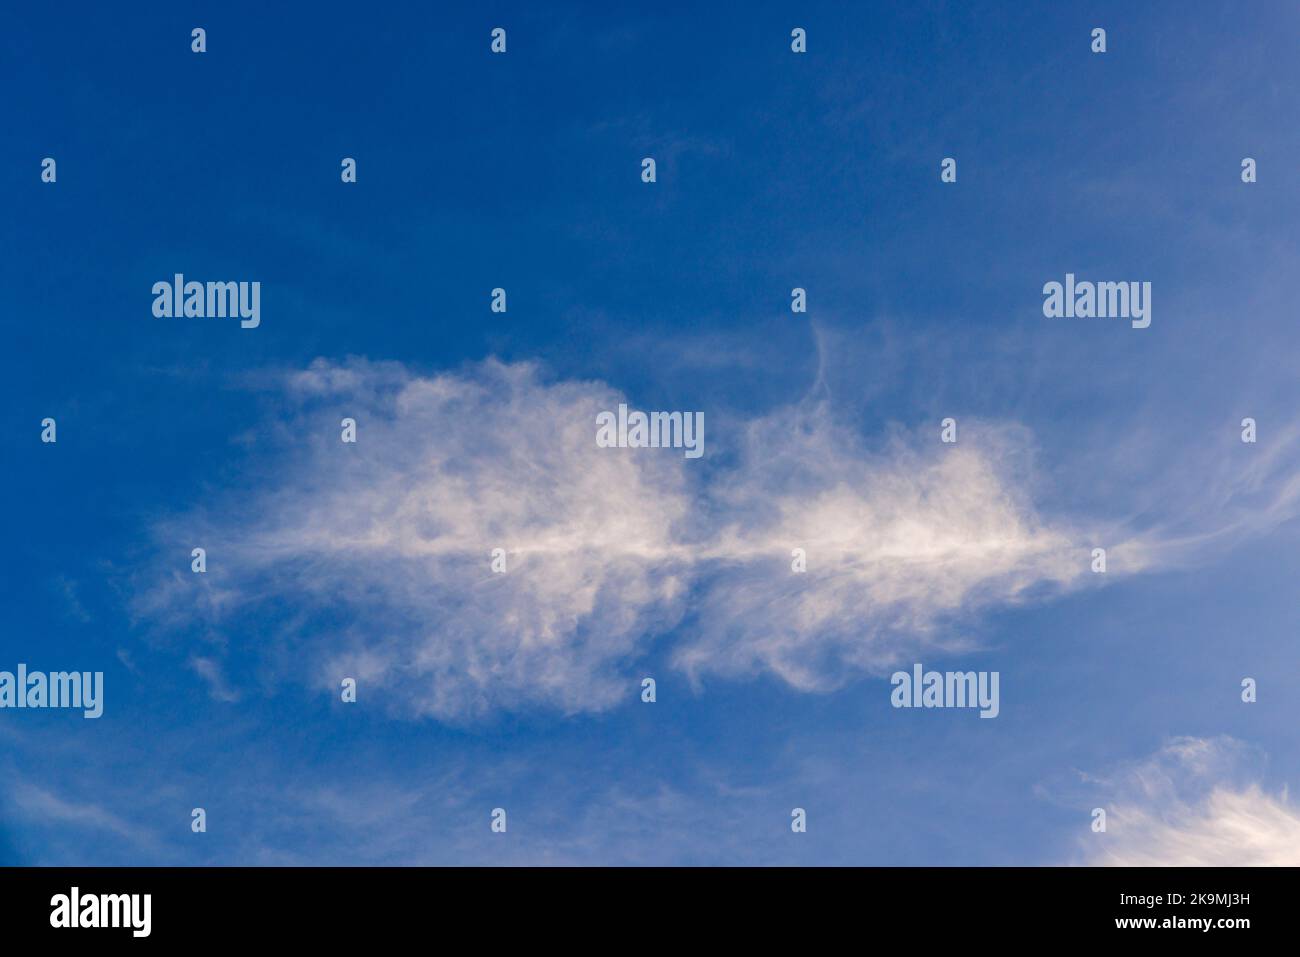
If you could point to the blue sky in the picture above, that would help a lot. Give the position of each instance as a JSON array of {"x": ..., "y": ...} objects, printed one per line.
[{"x": 775, "y": 170}]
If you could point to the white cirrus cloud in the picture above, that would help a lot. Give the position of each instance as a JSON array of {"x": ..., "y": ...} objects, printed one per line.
[
  {"x": 381, "y": 549},
  {"x": 372, "y": 560},
  {"x": 1195, "y": 803},
  {"x": 897, "y": 542}
]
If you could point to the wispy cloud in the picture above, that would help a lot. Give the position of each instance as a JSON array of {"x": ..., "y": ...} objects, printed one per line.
[
  {"x": 210, "y": 670},
  {"x": 45, "y": 808},
  {"x": 373, "y": 560},
  {"x": 386, "y": 545},
  {"x": 1194, "y": 803},
  {"x": 897, "y": 541}
]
